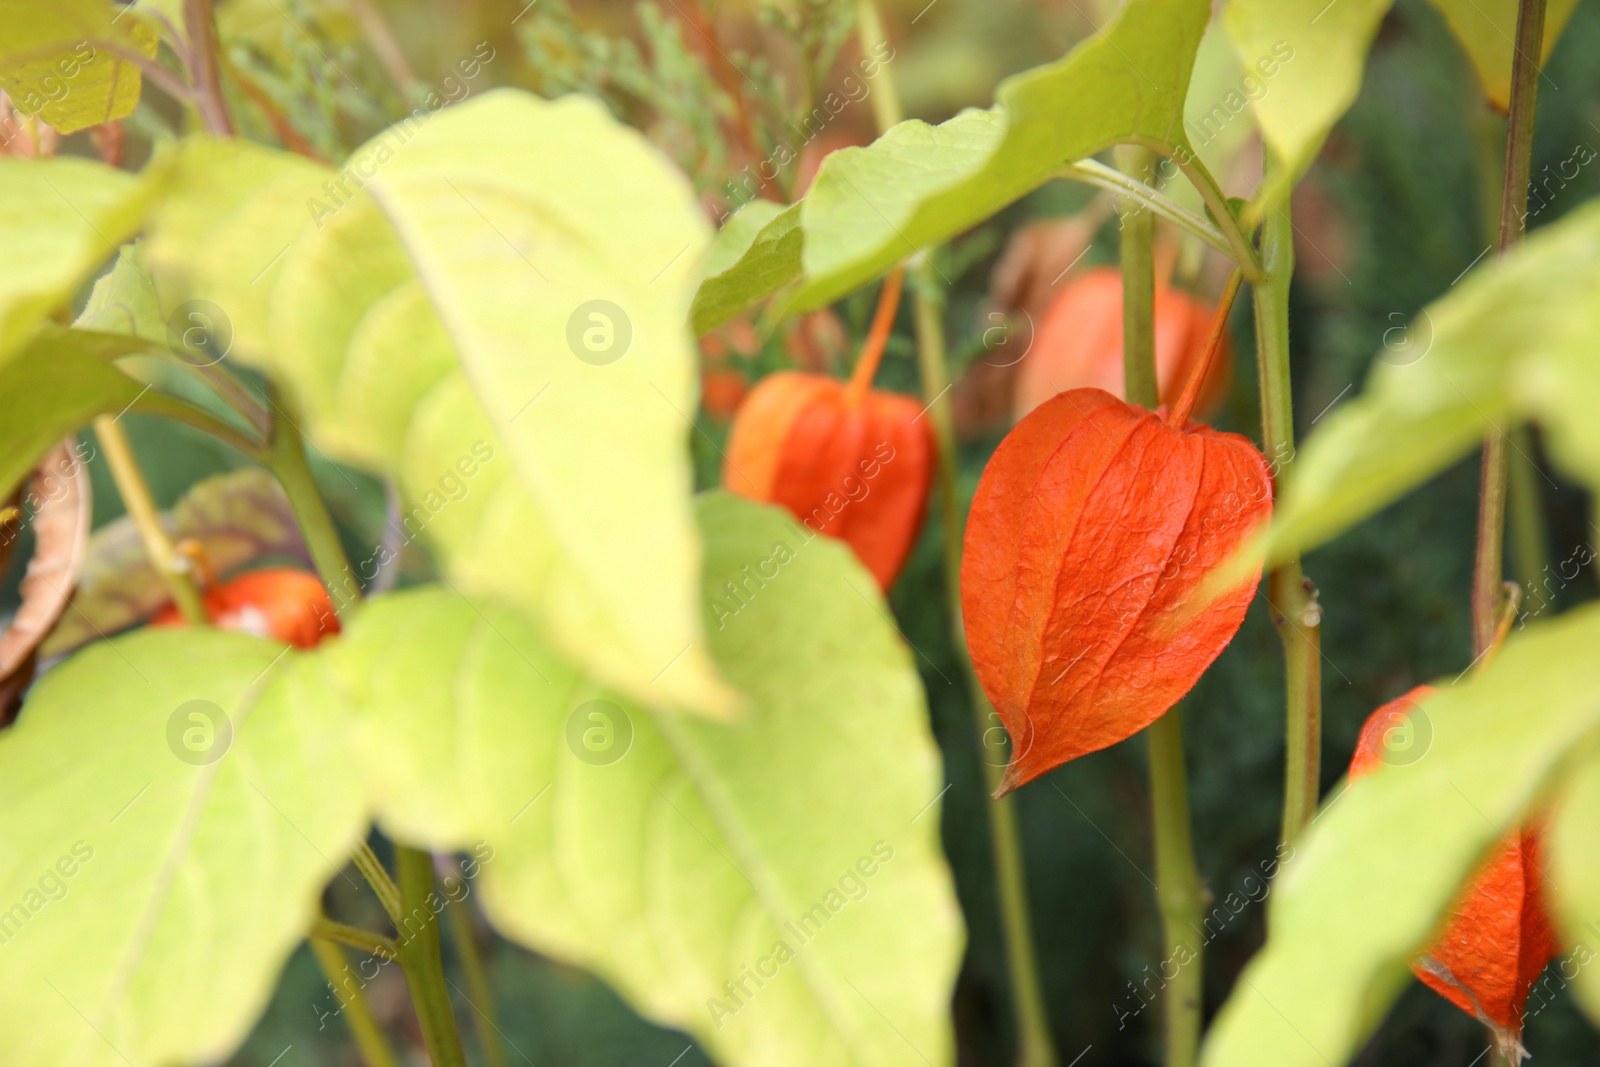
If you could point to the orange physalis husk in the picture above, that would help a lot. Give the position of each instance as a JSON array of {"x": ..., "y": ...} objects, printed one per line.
[
  {"x": 1498, "y": 937},
  {"x": 278, "y": 602},
  {"x": 1093, "y": 526},
  {"x": 848, "y": 461},
  {"x": 1079, "y": 344}
]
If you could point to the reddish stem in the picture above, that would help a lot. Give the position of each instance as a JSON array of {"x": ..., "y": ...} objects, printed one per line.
[
  {"x": 878, "y": 336},
  {"x": 1197, "y": 377}
]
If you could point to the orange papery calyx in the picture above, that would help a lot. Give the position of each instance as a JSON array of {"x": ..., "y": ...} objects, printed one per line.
[
  {"x": 1078, "y": 344},
  {"x": 1498, "y": 936},
  {"x": 1094, "y": 526},
  {"x": 283, "y": 603},
  {"x": 847, "y": 460}
]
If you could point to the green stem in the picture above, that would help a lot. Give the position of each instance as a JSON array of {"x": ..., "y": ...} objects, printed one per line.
[
  {"x": 203, "y": 49},
  {"x": 420, "y": 958},
  {"x": 1093, "y": 172},
  {"x": 1530, "y": 535},
  {"x": 1244, "y": 256},
  {"x": 1294, "y": 606},
  {"x": 372, "y": 869},
  {"x": 325, "y": 929},
  {"x": 1035, "y": 1047},
  {"x": 1139, "y": 382},
  {"x": 465, "y": 939},
  {"x": 1488, "y": 567},
  {"x": 1180, "y": 897},
  {"x": 146, "y": 518},
  {"x": 287, "y": 459},
  {"x": 364, "y": 1029}
]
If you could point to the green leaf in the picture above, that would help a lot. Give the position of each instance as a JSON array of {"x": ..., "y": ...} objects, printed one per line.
[
  {"x": 54, "y": 386},
  {"x": 667, "y": 853},
  {"x": 124, "y": 300},
  {"x": 920, "y": 185},
  {"x": 237, "y": 518},
  {"x": 1371, "y": 878},
  {"x": 59, "y": 219},
  {"x": 755, "y": 254},
  {"x": 1514, "y": 340},
  {"x": 229, "y": 212},
  {"x": 1487, "y": 29},
  {"x": 480, "y": 310},
  {"x": 1574, "y": 882},
  {"x": 1322, "y": 50},
  {"x": 64, "y": 61},
  {"x": 148, "y": 899}
]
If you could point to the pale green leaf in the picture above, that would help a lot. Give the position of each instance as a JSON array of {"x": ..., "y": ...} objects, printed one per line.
[
  {"x": 756, "y": 253},
  {"x": 920, "y": 185},
  {"x": 1574, "y": 886},
  {"x": 236, "y": 518},
  {"x": 665, "y": 853},
  {"x": 65, "y": 61},
  {"x": 584, "y": 521},
  {"x": 1322, "y": 50},
  {"x": 149, "y": 901},
  {"x": 1371, "y": 878},
  {"x": 59, "y": 219},
  {"x": 124, "y": 300},
  {"x": 1487, "y": 29},
  {"x": 1515, "y": 340},
  {"x": 52, "y": 387}
]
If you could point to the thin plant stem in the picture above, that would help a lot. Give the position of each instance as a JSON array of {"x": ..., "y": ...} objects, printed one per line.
[
  {"x": 1530, "y": 534},
  {"x": 172, "y": 567},
  {"x": 326, "y": 929},
  {"x": 377, "y": 876},
  {"x": 421, "y": 959},
  {"x": 1488, "y": 566},
  {"x": 1035, "y": 1047},
  {"x": 1295, "y": 611},
  {"x": 204, "y": 65},
  {"x": 1180, "y": 897},
  {"x": 866, "y": 368},
  {"x": 287, "y": 459},
  {"x": 369, "y": 1039},
  {"x": 1093, "y": 172},
  {"x": 465, "y": 939},
  {"x": 1197, "y": 377},
  {"x": 1217, "y": 202},
  {"x": 1139, "y": 382}
]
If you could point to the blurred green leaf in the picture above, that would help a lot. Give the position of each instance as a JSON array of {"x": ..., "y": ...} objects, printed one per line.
[
  {"x": 67, "y": 61},
  {"x": 235, "y": 518},
  {"x": 671, "y": 855},
  {"x": 1514, "y": 340},
  {"x": 919, "y": 185},
  {"x": 1574, "y": 879},
  {"x": 1487, "y": 29},
  {"x": 560, "y": 282},
  {"x": 124, "y": 300},
  {"x": 1327, "y": 47},
  {"x": 1383, "y": 861},
  {"x": 172, "y": 804},
  {"x": 54, "y": 386},
  {"x": 59, "y": 219}
]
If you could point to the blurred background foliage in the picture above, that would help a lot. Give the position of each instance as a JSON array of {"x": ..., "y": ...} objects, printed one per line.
[{"x": 1400, "y": 205}]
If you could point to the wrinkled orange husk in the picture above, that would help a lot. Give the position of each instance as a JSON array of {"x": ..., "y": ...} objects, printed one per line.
[
  {"x": 1498, "y": 937},
  {"x": 1093, "y": 525},
  {"x": 279, "y": 602},
  {"x": 854, "y": 468},
  {"x": 1078, "y": 344}
]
